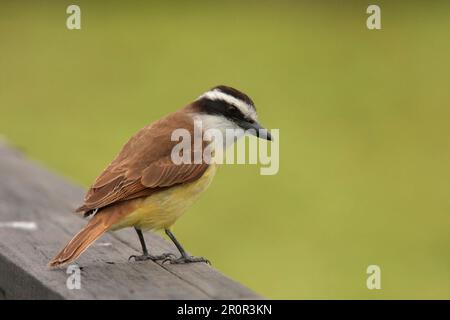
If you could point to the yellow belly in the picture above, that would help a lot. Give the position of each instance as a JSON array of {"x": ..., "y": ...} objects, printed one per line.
[{"x": 162, "y": 209}]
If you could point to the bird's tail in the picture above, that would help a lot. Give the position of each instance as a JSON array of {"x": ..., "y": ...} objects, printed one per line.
[{"x": 98, "y": 225}]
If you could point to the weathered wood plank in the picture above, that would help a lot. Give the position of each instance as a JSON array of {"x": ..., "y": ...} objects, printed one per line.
[{"x": 29, "y": 193}]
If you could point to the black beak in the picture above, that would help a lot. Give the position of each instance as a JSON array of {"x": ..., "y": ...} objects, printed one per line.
[{"x": 256, "y": 129}]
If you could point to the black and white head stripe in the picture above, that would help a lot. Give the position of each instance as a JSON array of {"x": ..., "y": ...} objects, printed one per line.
[{"x": 222, "y": 99}]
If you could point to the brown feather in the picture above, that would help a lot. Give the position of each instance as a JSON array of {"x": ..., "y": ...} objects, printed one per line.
[
  {"x": 99, "y": 224},
  {"x": 144, "y": 166}
]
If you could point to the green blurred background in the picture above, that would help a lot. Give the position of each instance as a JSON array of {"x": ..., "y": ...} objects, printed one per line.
[{"x": 364, "y": 119}]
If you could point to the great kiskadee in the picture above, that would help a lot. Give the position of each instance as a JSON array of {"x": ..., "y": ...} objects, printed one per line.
[{"x": 143, "y": 188}]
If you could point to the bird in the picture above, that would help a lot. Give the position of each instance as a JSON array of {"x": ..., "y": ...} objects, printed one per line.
[{"x": 144, "y": 189}]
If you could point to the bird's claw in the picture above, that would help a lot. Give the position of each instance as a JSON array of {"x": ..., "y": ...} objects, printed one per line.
[
  {"x": 186, "y": 259},
  {"x": 145, "y": 257}
]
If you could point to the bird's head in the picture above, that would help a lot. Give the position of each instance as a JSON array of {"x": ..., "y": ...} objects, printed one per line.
[{"x": 224, "y": 108}]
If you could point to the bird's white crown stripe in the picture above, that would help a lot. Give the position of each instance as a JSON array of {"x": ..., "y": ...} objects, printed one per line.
[{"x": 219, "y": 95}]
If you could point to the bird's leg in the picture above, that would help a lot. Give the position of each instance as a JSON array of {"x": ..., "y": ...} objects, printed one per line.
[
  {"x": 145, "y": 255},
  {"x": 185, "y": 257}
]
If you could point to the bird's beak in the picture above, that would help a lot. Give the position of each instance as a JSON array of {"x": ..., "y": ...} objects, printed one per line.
[{"x": 256, "y": 129}]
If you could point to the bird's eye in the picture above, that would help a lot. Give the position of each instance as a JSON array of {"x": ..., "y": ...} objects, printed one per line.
[{"x": 232, "y": 110}]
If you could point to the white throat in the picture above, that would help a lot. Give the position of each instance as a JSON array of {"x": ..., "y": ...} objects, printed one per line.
[{"x": 214, "y": 125}]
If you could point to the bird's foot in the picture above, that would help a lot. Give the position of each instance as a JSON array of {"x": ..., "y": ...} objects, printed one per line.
[
  {"x": 185, "y": 259},
  {"x": 147, "y": 256}
]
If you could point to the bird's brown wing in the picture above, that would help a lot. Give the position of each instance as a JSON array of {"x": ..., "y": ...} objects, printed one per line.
[{"x": 144, "y": 166}]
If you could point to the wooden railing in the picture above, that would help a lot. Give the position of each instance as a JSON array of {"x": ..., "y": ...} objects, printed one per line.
[{"x": 37, "y": 219}]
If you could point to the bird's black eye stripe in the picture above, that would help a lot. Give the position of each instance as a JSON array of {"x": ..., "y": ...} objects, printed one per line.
[
  {"x": 220, "y": 107},
  {"x": 233, "y": 112}
]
